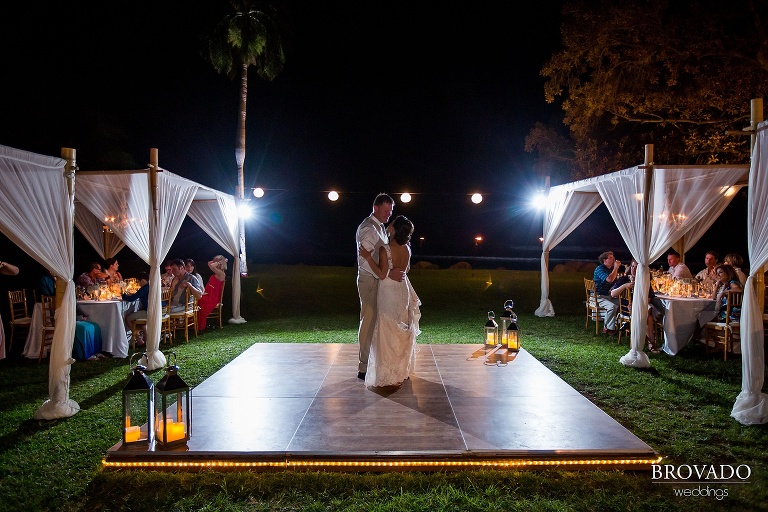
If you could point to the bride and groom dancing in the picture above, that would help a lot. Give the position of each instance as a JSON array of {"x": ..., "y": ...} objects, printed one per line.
[{"x": 389, "y": 307}]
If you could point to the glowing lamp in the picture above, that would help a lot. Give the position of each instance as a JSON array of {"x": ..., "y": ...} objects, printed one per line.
[
  {"x": 491, "y": 330},
  {"x": 333, "y": 195},
  {"x": 138, "y": 405},
  {"x": 511, "y": 335},
  {"x": 506, "y": 319},
  {"x": 173, "y": 418}
]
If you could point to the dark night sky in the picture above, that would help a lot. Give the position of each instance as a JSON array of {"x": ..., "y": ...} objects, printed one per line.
[{"x": 375, "y": 96}]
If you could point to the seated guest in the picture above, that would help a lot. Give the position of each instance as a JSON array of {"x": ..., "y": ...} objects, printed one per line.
[
  {"x": 110, "y": 266},
  {"x": 96, "y": 274},
  {"x": 212, "y": 293},
  {"x": 182, "y": 281},
  {"x": 627, "y": 281},
  {"x": 677, "y": 269},
  {"x": 726, "y": 281},
  {"x": 736, "y": 262},
  {"x": 87, "y": 344},
  {"x": 84, "y": 280},
  {"x": 167, "y": 276},
  {"x": 707, "y": 276},
  {"x": 189, "y": 264},
  {"x": 604, "y": 276},
  {"x": 8, "y": 269},
  {"x": 142, "y": 295},
  {"x": 46, "y": 285}
]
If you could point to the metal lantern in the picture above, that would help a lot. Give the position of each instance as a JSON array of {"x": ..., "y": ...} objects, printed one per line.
[
  {"x": 173, "y": 413},
  {"x": 491, "y": 330},
  {"x": 511, "y": 335},
  {"x": 506, "y": 319},
  {"x": 138, "y": 405}
]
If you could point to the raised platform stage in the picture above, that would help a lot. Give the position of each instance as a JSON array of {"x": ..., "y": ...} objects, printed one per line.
[{"x": 302, "y": 407}]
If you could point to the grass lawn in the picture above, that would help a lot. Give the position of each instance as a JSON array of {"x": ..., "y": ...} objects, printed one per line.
[{"x": 680, "y": 406}]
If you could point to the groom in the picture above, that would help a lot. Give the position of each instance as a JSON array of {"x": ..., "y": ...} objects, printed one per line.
[{"x": 372, "y": 234}]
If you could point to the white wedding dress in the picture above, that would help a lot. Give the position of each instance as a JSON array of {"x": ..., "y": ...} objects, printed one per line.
[{"x": 393, "y": 348}]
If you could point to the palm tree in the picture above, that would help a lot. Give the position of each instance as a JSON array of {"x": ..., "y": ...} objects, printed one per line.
[{"x": 252, "y": 35}]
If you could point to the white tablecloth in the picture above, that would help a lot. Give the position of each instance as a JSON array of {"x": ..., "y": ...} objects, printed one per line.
[
  {"x": 109, "y": 315},
  {"x": 32, "y": 345},
  {"x": 681, "y": 317}
]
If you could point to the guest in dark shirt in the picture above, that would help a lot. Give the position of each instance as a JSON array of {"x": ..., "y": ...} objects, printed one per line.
[{"x": 142, "y": 295}]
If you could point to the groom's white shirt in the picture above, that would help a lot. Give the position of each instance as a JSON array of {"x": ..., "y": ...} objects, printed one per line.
[{"x": 371, "y": 234}]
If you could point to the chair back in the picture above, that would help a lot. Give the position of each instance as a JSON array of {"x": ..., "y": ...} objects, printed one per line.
[
  {"x": 18, "y": 302},
  {"x": 165, "y": 297},
  {"x": 49, "y": 311},
  {"x": 733, "y": 307}
]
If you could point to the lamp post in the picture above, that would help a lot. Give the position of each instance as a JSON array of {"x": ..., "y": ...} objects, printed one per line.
[{"x": 138, "y": 405}]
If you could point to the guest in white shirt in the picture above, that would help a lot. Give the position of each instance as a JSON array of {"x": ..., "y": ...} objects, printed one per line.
[
  {"x": 677, "y": 269},
  {"x": 736, "y": 262},
  {"x": 708, "y": 276}
]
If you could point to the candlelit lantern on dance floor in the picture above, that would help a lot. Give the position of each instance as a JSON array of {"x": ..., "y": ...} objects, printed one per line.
[
  {"x": 491, "y": 330},
  {"x": 173, "y": 414},
  {"x": 506, "y": 319},
  {"x": 138, "y": 405},
  {"x": 511, "y": 334}
]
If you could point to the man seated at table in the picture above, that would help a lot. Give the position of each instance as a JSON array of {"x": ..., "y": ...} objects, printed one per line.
[
  {"x": 142, "y": 295},
  {"x": 605, "y": 275},
  {"x": 707, "y": 277},
  {"x": 677, "y": 268},
  {"x": 182, "y": 281}
]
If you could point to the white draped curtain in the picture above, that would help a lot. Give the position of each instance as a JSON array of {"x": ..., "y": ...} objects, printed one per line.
[
  {"x": 93, "y": 231},
  {"x": 122, "y": 199},
  {"x": 566, "y": 209},
  {"x": 218, "y": 218},
  {"x": 751, "y": 406},
  {"x": 36, "y": 213},
  {"x": 653, "y": 207}
]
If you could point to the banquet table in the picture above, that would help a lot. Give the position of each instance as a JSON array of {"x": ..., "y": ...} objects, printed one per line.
[
  {"x": 682, "y": 315},
  {"x": 109, "y": 315}
]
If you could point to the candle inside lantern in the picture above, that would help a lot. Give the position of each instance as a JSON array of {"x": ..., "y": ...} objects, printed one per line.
[
  {"x": 490, "y": 338},
  {"x": 173, "y": 431},
  {"x": 132, "y": 434}
]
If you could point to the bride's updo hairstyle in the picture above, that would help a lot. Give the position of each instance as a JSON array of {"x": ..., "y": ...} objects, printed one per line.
[{"x": 403, "y": 229}]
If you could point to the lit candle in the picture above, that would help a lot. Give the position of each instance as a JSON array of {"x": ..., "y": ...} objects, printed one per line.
[
  {"x": 490, "y": 338},
  {"x": 173, "y": 431},
  {"x": 132, "y": 434}
]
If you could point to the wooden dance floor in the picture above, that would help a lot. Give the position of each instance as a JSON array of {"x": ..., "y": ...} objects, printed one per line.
[{"x": 301, "y": 406}]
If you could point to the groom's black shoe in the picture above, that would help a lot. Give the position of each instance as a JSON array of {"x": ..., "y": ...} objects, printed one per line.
[{"x": 361, "y": 375}]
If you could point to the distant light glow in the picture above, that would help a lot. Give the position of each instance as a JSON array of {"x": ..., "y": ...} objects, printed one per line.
[
  {"x": 478, "y": 239},
  {"x": 477, "y": 198},
  {"x": 405, "y": 197},
  {"x": 333, "y": 195},
  {"x": 244, "y": 211},
  {"x": 539, "y": 201},
  {"x": 258, "y": 192}
]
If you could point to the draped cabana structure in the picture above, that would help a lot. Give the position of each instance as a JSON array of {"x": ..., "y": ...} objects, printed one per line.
[
  {"x": 751, "y": 405},
  {"x": 36, "y": 213},
  {"x": 145, "y": 209},
  {"x": 654, "y": 207}
]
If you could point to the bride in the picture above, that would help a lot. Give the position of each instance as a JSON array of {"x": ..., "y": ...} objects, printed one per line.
[{"x": 393, "y": 348}]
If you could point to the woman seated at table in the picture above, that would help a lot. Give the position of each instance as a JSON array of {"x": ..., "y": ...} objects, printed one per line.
[
  {"x": 96, "y": 274},
  {"x": 627, "y": 281},
  {"x": 113, "y": 276},
  {"x": 212, "y": 293},
  {"x": 727, "y": 280}
]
